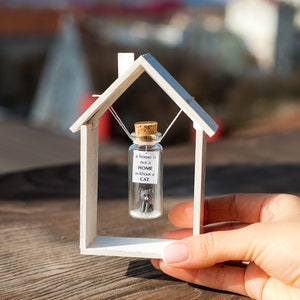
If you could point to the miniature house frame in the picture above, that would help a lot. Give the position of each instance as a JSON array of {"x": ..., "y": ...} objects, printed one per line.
[{"x": 87, "y": 123}]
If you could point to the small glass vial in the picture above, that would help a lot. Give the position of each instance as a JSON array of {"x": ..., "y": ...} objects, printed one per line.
[{"x": 145, "y": 172}]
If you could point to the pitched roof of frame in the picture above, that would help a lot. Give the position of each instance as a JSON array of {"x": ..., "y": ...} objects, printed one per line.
[{"x": 147, "y": 63}]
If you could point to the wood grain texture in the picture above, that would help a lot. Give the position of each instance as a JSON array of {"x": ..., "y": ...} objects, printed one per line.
[
  {"x": 39, "y": 212},
  {"x": 178, "y": 181},
  {"x": 39, "y": 256}
]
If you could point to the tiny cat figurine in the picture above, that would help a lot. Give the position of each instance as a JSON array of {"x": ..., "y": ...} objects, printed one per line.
[{"x": 146, "y": 199}]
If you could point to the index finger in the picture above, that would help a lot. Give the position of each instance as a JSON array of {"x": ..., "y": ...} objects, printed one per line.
[{"x": 244, "y": 208}]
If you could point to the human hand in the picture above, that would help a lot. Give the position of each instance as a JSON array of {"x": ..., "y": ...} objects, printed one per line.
[{"x": 261, "y": 229}]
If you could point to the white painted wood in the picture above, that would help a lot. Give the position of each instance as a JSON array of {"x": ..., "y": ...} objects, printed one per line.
[
  {"x": 125, "y": 60},
  {"x": 110, "y": 95},
  {"x": 163, "y": 78},
  {"x": 88, "y": 123},
  {"x": 199, "y": 179},
  {"x": 88, "y": 184},
  {"x": 179, "y": 95},
  {"x": 128, "y": 247}
]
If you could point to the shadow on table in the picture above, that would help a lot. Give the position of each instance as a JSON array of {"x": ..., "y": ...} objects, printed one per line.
[
  {"x": 63, "y": 181},
  {"x": 143, "y": 269}
]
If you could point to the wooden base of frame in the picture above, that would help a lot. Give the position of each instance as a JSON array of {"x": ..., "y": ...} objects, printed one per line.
[{"x": 127, "y": 246}]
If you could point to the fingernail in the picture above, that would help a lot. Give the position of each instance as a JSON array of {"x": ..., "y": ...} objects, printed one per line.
[{"x": 175, "y": 253}]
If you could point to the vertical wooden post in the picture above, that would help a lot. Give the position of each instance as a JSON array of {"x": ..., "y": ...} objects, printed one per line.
[
  {"x": 199, "y": 179},
  {"x": 125, "y": 60},
  {"x": 88, "y": 184}
]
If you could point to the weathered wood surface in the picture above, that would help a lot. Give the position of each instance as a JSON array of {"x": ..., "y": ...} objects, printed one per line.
[
  {"x": 24, "y": 147},
  {"x": 39, "y": 256},
  {"x": 39, "y": 213}
]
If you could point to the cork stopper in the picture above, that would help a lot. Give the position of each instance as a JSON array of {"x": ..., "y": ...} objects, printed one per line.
[
  {"x": 146, "y": 131},
  {"x": 144, "y": 128}
]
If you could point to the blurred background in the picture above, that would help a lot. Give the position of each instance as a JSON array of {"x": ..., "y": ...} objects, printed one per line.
[{"x": 240, "y": 59}]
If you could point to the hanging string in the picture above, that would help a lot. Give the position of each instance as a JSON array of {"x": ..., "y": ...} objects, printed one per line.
[
  {"x": 122, "y": 125},
  {"x": 176, "y": 117},
  {"x": 118, "y": 119}
]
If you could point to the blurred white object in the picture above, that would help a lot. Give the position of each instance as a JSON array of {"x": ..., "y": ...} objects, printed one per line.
[{"x": 65, "y": 80}]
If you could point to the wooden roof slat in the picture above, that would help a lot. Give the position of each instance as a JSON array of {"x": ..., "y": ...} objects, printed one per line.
[{"x": 147, "y": 63}]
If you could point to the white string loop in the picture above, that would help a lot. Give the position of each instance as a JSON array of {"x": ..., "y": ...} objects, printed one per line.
[
  {"x": 122, "y": 125},
  {"x": 118, "y": 119},
  {"x": 171, "y": 124}
]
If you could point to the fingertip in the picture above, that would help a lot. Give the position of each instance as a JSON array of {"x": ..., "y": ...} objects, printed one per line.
[
  {"x": 156, "y": 263},
  {"x": 175, "y": 253}
]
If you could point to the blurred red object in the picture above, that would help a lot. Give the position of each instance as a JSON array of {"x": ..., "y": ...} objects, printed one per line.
[
  {"x": 217, "y": 136},
  {"x": 105, "y": 121}
]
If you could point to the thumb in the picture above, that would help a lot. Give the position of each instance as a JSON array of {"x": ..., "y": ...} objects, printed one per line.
[{"x": 208, "y": 249}]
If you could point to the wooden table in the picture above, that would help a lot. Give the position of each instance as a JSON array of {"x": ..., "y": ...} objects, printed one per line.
[
  {"x": 39, "y": 220},
  {"x": 39, "y": 256}
]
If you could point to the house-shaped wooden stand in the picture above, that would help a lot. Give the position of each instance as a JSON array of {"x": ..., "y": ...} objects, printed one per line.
[{"x": 87, "y": 123}]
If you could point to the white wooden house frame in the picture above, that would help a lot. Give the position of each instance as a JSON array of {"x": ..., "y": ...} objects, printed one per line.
[{"x": 87, "y": 123}]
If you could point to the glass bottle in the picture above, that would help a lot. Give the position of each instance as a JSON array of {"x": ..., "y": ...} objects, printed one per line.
[{"x": 145, "y": 172}]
